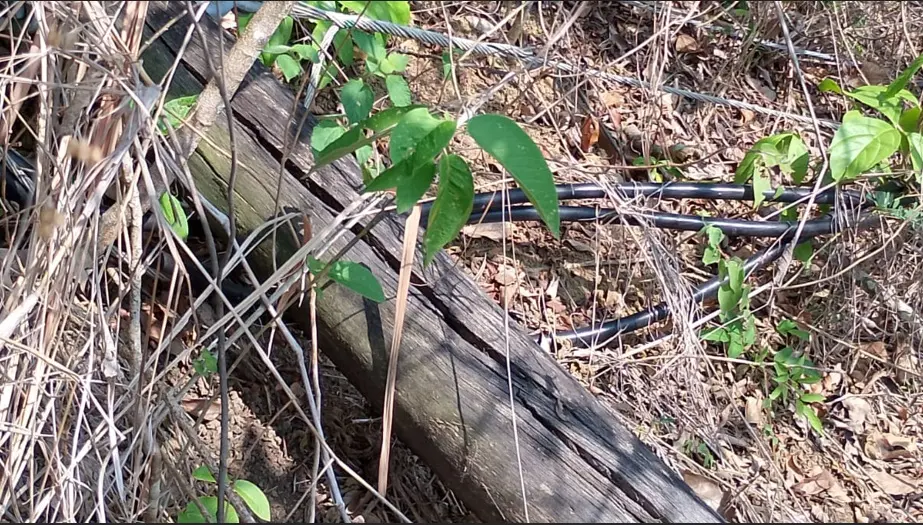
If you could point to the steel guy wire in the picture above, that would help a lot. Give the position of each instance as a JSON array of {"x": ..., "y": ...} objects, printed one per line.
[{"x": 529, "y": 59}]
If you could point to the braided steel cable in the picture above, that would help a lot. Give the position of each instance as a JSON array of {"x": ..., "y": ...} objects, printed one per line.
[{"x": 529, "y": 59}]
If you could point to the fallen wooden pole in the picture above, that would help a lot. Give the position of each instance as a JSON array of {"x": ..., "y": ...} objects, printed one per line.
[{"x": 452, "y": 402}]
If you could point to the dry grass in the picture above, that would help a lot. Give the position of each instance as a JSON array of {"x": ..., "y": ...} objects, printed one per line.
[{"x": 102, "y": 416}]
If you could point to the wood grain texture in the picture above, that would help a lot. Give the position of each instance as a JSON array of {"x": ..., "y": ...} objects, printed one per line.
[{"x": 451, "y": 404}]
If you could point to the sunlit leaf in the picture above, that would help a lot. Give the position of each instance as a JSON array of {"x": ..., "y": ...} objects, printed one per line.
[
  {"x": 860, "y": 144},
  {"x": 452, "y": 207},
  {"x": 398, "y": 90},
  {"x": 289, "y": 67},
  {"x": 193, "y": 515},
  {"x": 357, "y": 99},
  {"x": 514, "y": 149},
  {"x": 254, "y": 498},
  {"x": 174, "y": 214},
  {"x": 203, "y": 474},
  {"x": 903, "y": 79},
  {"x": 352, "y": 275}
]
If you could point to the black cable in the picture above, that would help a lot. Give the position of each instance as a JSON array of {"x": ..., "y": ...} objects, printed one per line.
[
  {"x": 587, "y": 336},
  {"x": 673, "y": 190},
  {"x": 665, "y": 221}
]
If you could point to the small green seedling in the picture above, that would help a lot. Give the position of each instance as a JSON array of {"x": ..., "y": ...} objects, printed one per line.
[
  {"x": 174, "y": 214},
  {"x": 251, "y": 494}
]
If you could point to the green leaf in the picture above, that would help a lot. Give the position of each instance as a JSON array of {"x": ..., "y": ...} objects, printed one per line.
[
  {"x": 176, "y": 110},
  {"x": 203, "y": 474},
  {"x": 736, "y": 345},
  {"x": 390, "y": 11},
  {"x": 901, "y": 81},
  {"x": 373, "y": 45},
  {"x": 776, "y": 393},
  {"x": 859, "y": 144},
  {"x": 289, "y": 67},
  {"x": 875, "y": 98},
  {"x": 276, "y": 50},
  {"x": 804, "y": 252},
  {"x": 398, "y": 90},
  {"x": 716, "y": 334},
  {"x": 242, "y": 20},
  {"x": 789, "y": 327},
  {"x": 363, "y": 154},
  {"x": 344, "y": 145},
  {"x": 174, "y": 214},
  {"x": 280, "y": 37},
  {"x": 715, "y": 235},
  {"x": 398, "y": 61},
  {"x": 915, "y": 140},
  {"x": 514, "y": 149},
  {"x": 828, "y": 85},
  {"x": 324, "y": 134},
  {"x": 254, "y": 498},
  {"x": 412, "y": 127},
  {"x": 352, "y": 275},
  {"x": 785, "y": 150},
  {"x": 306, "y": 52},
  {"x": 206, "y": 364},
  {"x": 389, "y": 118},
  {"x": 357, "y": 99},
  {"x": 761, "y": 184},
  {"x": 910, "y": 119},
  {"x": 811, "y": 416},
  {"x": 452, "y": 207},
  {"x": 193, "y": 515},
  {"x": 812, "y": 398},
  {"x": 411, "y": 182},
  {"x": 711, "y": 255}
]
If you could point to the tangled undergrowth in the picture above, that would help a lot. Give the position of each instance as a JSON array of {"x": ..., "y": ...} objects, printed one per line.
[{"x": 798, "y": 399}]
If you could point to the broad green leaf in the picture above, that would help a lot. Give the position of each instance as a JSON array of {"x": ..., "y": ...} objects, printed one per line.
[
  {"x": 711, "y": 255},
  {"x": 389, "y": 11},
  {"x": 372, "y": 44},
  {"x": 341, "y": 42},
  {"x": 363, "y": 154},
  {"x": 452, "y": 207},
  {"x": 735, "y": 273},
  {"x": 346, "y": 144},
  {"x": 254, "y": 498},
  {"x": 398, "y": 90},
  {"x": 915, "y": 140},
  {"x": 412, "y": 127},
  {"x": 828, "y": 85},
  {"x": 280, "y": 37},
  {"x": 326, "y": 5},
  {"x": 859, "y": 144},
  {"x": 815, "y": 422},
  {"x": 193, "y": 515},
  {"x": 411, "y": 182},
  {"x": 203, "y": 474},
  {"x": 785, "y": 150},
  {"x": 398, "y": 61},
  {"x": 514, "y": 149},
  {"x": 352, "y": 275},
  {"x": 812, "y": 398},
  {"x": 174, "y": 214},
  {"x": 718, "y": 334},
  {"x": 276, "y": 49},
  {"x": 903, "y": 79},
  {"x": 429, "y": 147},
  {"x": 789, "y": 327},
  {"x": 384, "y": 120},
  {"x": 324, "y": 134},
  {"x": 289, "y": 67},
  {"x": 875, "y": 98},
  {"x": 714, "y": 234},
  {"x": 803, "y": 252},
  {"x": 761, "y": 184},
  {"x": 176, "y": 110},
  {"x": 206, "y": 364},
  {"x": 736, "y": 345},
  {"x": 910, "y": 119},
  {"x": 776, "y": 393},
  {"x": 242, "y": 20},
  {"x": 306, "y": 52},
  {"x": 357, "y": 99}
]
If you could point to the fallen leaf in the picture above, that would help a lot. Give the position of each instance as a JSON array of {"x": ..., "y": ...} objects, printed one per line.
[
  {"x": 589, "y": 133},
  {"x": 875, "y": 73},
  {"x": 859, "y": 411},
  {"x": 195, "y": 406},
  {"x": 754, "y": 411},
  {"x": 877, "y": 349},
  {"x": 579, "y": 246},
  {"x": 747, "y": 115},
  {"x": 822, "y": 482},
  {"x": 505, "y": 275},
  {"x": 889, "y": 446},
  {"x": 613, "y": 99},
  {"x": 704, "y": 488},
  {"x": 893, "y": 485},
  {"x": 615, "y": 118},
  {"x": 686, "y": 44},
  {"x": 493, "y": 231},
  {"x": 552, "y": 290}
]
